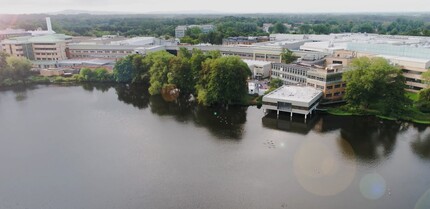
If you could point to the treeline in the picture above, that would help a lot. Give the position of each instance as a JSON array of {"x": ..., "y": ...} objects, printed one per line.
[
  {"x": 213, "y": 78},
  {"x": 226, "y": 26}
]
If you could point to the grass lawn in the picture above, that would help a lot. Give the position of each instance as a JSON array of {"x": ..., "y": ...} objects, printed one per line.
[{"x": 413, "y": 96}]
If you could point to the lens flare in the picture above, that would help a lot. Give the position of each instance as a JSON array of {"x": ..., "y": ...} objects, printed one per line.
[
  {"x": 424, "y": 201},
  {"x": 319, "y": 171},
  {"x": 373, "y": 186}
]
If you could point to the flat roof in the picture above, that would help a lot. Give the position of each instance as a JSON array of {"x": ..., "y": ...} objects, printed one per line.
[
  {"x": 256, "y": 62},
  {"x": 294, "y": 93}
]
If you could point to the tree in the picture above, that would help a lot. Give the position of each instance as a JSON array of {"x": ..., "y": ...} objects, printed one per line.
[
  {"x": 3, "y": 65},
  {"x": 278, "y": 28},
  {"x": 375, "y": 81},
  {"x": 18, "y": 68},
  {"x": 181, "y": 75},
  {"x": 123, "y": 70},
  {"x": 426, "y": 77},
  {"x": 86, "y": 74},
  {"x": 288, "y": 56},
  {"x": 223, "y": 81},
  {"x": 159, "y": 70},
  {"x": 276, "y": 83}
]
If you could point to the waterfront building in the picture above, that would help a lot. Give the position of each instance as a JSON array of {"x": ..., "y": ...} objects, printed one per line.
[{"x": 293, "y": 99}]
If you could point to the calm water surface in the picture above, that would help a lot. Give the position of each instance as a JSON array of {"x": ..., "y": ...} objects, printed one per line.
[{"x": 86, "y": 147}]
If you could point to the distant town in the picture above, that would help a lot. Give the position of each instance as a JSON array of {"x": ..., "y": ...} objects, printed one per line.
[{"x": 318, "y": 66}]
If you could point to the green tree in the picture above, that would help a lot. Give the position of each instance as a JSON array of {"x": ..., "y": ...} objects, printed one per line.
[
  {"x": 288, "y": 56},
  {"x": 278, "y": 28},
  {"x": 86, "y": 74},
  {"x": 223, "y": 81},
  {"x": 159, "y": 71},
  {"x": 123, "y": 70},
  {"x": 18, "y": 68},
  {"x": 374, "y": 81},
  {"x": 181, "y": 75},
  {"x": 426, "y": 77},
  {"x": 276, "y": 83},
  {"x": 101, "y": 74}
]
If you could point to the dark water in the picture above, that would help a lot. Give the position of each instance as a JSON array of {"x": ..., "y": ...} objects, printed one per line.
[{"x": 115, "y": 147}]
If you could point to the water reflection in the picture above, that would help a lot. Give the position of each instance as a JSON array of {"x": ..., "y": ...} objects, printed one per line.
[
  {"x": 421, "y": 145},
  {"x": 294, "y": 125},
  {"x": 135, "y": 95},
  {"x": 225, "y": 123}
]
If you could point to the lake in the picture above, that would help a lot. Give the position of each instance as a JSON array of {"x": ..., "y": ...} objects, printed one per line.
[{"x": 115, "y": 147}]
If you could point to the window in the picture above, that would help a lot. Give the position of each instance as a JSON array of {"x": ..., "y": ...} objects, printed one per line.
[
  {"x": 329, "y": 87},
  {"x": 337, "y": 86},
  {"x": 328, "y": 95}
]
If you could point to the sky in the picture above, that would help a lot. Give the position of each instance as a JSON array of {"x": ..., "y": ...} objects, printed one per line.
[{"x": 227, "y": 6}]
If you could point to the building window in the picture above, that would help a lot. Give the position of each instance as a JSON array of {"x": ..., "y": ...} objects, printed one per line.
[
  {"x": 329, "y": 87},
  {"x": 328, "y": 95},
  {"x": 337, "y": 86}
]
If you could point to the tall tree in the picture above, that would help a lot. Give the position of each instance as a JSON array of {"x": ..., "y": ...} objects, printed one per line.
[
  {"x": 375, "y": 81},
  {"x": 159, "y": 71},
  {"x": 288, "y": 56},
  {"x": 224, "y": 81},
  {"x": 123, "y": 70},
  {"x": 18, "y": 68},
  {"x": 426, "y": 78}
]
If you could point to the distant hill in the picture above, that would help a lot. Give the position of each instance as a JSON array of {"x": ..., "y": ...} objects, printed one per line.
[{"x": 76, "y": 12}]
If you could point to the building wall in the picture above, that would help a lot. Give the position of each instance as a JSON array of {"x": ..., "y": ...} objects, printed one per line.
[
  {"x": 291, "y": 74},
  {"x": 49, "y": 51},
  {"x": 329, "y": 80}
]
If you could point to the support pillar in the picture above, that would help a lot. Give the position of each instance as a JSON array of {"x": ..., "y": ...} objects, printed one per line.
[
  {"x": 277, "y": 113},
  {"x": 306, "y": 116},
  {"x": 291, "y": 116}
]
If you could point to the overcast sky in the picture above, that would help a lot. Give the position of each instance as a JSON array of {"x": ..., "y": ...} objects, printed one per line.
[{"x": 230, "y": 6}]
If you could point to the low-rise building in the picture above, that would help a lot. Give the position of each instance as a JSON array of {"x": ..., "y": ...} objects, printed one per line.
[
  {"x": 329, "y": 81},
  {"x": 243, "y": 40},
  {"x": 291, "y": 74},
  {"x": 180, "y": 31},
  {"x": 293, "y": 99},
  {"x": 10, "y": 33},
  {"x": 259, "y": 69},
  {"x": 343, "y": 57}
]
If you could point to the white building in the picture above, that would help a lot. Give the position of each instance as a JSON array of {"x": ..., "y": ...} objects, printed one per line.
[
  {"x": 259, "y": 69},
  {"x": 182, "y": 29},
  {"x": 293, "y": 99}
]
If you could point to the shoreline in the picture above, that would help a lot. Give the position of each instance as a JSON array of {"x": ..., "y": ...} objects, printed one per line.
[{"x": 374, "y": 113}]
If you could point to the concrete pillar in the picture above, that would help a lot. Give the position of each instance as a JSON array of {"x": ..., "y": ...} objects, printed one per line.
[{"x": 277, "y": 113}]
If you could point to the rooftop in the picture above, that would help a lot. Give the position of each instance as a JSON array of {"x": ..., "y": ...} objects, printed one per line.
[
  {"x": 256, "y": 62},
  {"x": 294, "y": 93},
  {"x": 51, "y": 38}
]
